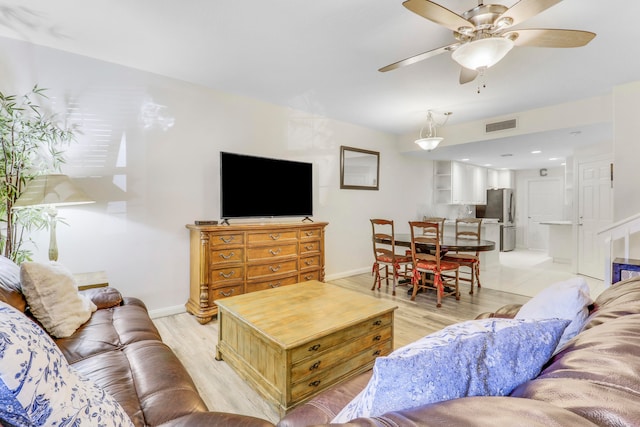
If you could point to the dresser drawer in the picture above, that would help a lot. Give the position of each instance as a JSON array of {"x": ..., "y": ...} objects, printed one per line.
[
  {"x": 340, "y": 353},
  {"x": 310, "y": 262},
  {"x": 272, "y": 236},
  {"x": 351, "y": 366},
  {"x": 310, "y": 275},
  {"x": 227, "y": 239},
  {"x": 315, "y": 347},
  {"x": 309, "y": 247},
  {"x": 222, "y": 255},
  {"x": 221, "y": 275},
  {"x": 311, "y": 234},
  {"x": 271, "y": 283},
  {"x": 272, "y": 251},
  {"x": 278, "y": 267},
  {"x": 225, "y": 292}
]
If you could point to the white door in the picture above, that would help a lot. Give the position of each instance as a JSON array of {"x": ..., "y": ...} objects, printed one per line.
[
  {"x": 544, "y": 203},
  {"x": 595, "y": 212}
]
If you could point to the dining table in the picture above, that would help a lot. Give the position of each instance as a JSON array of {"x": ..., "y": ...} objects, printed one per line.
[{"x": 449, "y": 243}]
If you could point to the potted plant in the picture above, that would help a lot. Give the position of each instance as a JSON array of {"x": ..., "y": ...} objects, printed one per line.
[{"x": 32, "y": 143}]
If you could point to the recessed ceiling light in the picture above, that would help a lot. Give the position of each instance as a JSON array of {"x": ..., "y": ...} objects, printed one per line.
[
  {"x": 488, "y": 164},
  {"x": 553, "y": 158},
  {"x": 464, "y": 160},
  {"x": 506, "y": 155},
  {"x": 536, "y": 152}
]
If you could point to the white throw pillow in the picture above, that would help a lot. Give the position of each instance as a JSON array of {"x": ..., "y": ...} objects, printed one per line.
[
  {"x": 39, "y": 388},
  {"x": 563, "y": 300},
  {"x": 52, "y": 295}
]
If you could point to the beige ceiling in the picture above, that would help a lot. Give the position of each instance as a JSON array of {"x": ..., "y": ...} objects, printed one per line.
[{"x": 322, "y": 56}]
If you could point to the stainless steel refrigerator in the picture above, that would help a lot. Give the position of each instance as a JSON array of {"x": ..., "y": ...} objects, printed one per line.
[{"x": 501, "y": 205}]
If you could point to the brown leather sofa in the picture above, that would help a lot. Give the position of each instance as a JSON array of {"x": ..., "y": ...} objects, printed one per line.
[
  {"x": 593, "y": 381},
  {"x": 120, "y": 349}
]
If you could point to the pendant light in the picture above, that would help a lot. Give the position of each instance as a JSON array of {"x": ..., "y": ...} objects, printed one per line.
[{"x": 431, "y": 140}]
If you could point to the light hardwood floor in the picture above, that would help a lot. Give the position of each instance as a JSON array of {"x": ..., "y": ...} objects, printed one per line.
[{"x": 223, "y": 390}]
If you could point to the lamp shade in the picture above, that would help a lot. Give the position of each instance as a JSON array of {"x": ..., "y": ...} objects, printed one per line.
[
  {"x": 482, "y": 53},
  {"x": 430, "y": 143},
  {"x": 52, "y": 190}
]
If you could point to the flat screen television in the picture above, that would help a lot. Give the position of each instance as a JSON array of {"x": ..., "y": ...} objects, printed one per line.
[{"x": 260, "y": 187}]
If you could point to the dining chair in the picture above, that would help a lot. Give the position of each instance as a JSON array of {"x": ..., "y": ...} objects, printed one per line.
[
  {"x": 428, "y": 262},
  {"x": 440, "y": 221},
  {"x": 468, "y": 228},
  {"x": 387, "y": 263}
]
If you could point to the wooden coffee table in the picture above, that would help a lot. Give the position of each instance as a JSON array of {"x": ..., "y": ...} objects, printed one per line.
[{"x": 292, "y": 342}]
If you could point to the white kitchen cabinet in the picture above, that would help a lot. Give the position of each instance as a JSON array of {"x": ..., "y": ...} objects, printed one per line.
[
  {"x": 459, "y": 183},
  {"x": 500, "y": 178}
]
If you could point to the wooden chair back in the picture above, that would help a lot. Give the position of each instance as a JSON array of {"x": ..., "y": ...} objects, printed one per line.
[{"x": 439, "y": 221}]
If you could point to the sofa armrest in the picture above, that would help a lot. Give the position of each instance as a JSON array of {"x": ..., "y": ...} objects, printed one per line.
[
  {"x": 508, "y": 311},
  {"x": 207, "y": 419},
  {"x": 104, "y": 297}
]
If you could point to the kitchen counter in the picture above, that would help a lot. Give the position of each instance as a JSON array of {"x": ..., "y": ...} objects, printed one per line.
[{"x": 560, "y": 240}]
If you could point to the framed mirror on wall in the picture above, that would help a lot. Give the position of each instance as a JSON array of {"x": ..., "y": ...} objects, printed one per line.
[{"x": 359, "y": 169}]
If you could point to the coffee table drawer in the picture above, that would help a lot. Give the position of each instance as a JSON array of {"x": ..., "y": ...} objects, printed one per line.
[
  {"x": 339, "y": 354},
  {"x": 324, "y": 378},
  {"x": 313, "y": 348}
]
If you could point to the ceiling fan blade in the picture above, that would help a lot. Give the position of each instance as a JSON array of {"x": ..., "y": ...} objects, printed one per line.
[
  {"x": 420, "y": 57},
  {"x": 524, "y": 10},
  {"x": 467, "y": 75},
  {"x": 550, "y": 37},
  {"x": 438, "y": 14}
]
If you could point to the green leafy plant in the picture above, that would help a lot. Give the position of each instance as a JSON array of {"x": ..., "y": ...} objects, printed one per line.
[{"x": 32, "y": 143}]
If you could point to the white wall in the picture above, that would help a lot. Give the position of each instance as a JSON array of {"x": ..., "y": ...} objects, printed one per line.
[{"x": 149, "y": 152}]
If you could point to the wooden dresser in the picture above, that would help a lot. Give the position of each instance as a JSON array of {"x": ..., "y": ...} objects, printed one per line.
[{"x": 229, "y": 260}]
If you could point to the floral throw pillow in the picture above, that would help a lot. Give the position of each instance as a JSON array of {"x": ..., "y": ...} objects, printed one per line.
[
  {"x": 485, "y": 357},
  {"x": 39, "y": 388}
]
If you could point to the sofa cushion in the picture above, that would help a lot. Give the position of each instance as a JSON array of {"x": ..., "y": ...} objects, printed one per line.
[
  {"x": 569, "y": 299},
  {"x": 38, "y": 387},
  {"x": 472, "y": 358},
  {"x": 53, "y": 298}
]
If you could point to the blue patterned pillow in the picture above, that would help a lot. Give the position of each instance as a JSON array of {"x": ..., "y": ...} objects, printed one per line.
[
  {"x": 486, "y": 357},
  {"x": 37, "y": 385}
]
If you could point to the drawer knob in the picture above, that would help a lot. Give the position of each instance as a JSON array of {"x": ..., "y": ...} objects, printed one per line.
[
  {"x": 377, "y": 323},
  {"x": 377, "y": 338},
  {"x": 377, "y": 353},
  {"x": 227, "y": 294},
  {"x": 314, "y": 366},
  {"x": 226, "y": 239},
  {"x": 231, "y": 255},
  {"x": 227, "y": 275},
  {"x": 314, "y": 347},
  {"x": 276, "y": 268},
  {"x": 275, "y": 285},
  {"x": 309, "y": 276},
  {"x": 308, "y": 247},
  {"x": 274, "y": 236},
  {"x": 315, "y": 383},
  {"x": 309, "y": 262},
  {"x": 309, "y": 233},
  {"x": 276, "y": 252}
]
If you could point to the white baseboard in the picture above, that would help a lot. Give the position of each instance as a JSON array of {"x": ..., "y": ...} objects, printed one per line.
[
  {"x": 167, "y": 311},
  {"x": 344, "y": 274}
]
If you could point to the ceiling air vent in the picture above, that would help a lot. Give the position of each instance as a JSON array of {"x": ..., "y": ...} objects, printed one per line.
[{"x": 504, "y": 125}]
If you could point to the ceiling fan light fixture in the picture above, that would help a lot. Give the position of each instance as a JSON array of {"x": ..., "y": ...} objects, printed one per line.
[
  {"x": 482, "y": 53},
  {"x": 430, "y": 143}
]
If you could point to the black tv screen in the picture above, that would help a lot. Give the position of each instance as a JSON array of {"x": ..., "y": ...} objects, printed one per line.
[{"x": 261, "y": 187}]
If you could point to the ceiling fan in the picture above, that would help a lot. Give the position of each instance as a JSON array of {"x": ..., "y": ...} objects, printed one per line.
[{"x": 483, "y": 35}]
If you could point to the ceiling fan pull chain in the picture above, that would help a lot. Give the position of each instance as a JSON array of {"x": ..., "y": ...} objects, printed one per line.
[{"x": 481, "y": 83}]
